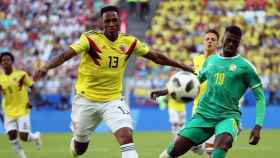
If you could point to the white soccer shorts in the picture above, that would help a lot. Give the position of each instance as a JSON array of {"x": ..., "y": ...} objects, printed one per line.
[
  {"x": 21, "y": 124},
  {"x": 87, "y": 114},
  {"x": 176, "y": 117}
]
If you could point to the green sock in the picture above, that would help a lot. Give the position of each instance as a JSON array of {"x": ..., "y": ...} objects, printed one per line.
[
  {"x": 169, "y": 149},
  {"x": 218, "y": 153}
]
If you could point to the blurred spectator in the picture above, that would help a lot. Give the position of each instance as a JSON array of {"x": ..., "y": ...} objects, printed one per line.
[
  {"x": 132, "y": 6},
  {"x": 180, "y": 34},
  {"x": 144, "y": 9},
  {"x": 38, "y": 101}
]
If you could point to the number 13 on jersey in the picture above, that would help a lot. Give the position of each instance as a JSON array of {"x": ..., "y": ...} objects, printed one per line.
[
  {"x": 219, "y": 78},
  {"x": 113, "y": 61}
]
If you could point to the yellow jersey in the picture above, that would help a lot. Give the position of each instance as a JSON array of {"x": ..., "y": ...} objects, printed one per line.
[
  {"x": 15, "y": 93},
  {"x": 198, "y": 62},
  {"x": 103, "y": 62},
  {"x": 175, "y": 105}
]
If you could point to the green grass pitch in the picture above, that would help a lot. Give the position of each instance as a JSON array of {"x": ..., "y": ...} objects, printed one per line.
[{"x": 149, "y": 145}]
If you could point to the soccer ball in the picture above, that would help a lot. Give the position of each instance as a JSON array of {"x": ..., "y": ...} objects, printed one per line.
[{"x": 183, "y": 86}]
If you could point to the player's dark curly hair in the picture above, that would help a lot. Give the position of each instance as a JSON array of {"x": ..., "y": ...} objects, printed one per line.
[
  {"x": 7, "y": 54},
  {"x": 109, "y": 8},
  {"x": 213, "y": 31},
  {"x": 234, "y": 30}
]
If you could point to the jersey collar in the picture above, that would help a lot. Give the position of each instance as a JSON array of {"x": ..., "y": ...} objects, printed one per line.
[{"x": 228, "y": 57}]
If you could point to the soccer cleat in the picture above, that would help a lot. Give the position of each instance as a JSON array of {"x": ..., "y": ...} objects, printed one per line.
[
  {"x": 72, "y": 149},
  {"x": 38, "y": 141}
]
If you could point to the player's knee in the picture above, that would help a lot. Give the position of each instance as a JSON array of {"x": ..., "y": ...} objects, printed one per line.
[
  {"x": 23, "y": 136},
  {"x": 224, "y": 142},
  {"x": 124, "y": 136}
]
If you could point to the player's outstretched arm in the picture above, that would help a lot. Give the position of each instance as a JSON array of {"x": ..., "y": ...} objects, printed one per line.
[
  {"x": 260, "y": 112},
  {"x": 161, "y": 59},
  {"x": 56, "y": 61},
  {"x": 158, "y": 93}
]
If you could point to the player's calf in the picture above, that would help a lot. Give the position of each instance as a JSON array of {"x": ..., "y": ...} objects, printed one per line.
[
  {"x": 12, "y": 134},
  {"x": 179, "y": 147},
  {"x": 23, "y": 136},
  {"x": 125, "y": 139},
  {"x": 16, "y": 144},
  {"x": 124, "y": 136},
  {"x": 32, "y": 137},
  {"x": 222, "y": 144}
]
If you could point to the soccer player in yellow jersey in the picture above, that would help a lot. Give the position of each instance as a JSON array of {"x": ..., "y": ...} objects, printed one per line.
[
  {"x": 98, "y": 87},
  {"x": 14, "y": 85}
]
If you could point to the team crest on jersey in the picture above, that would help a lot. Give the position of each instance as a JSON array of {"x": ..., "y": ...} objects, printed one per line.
[
  {"x": 232, "y": 67},
  {"x": 122, "y": 47}
]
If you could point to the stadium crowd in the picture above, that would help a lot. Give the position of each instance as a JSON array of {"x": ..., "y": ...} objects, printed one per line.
[
  {"x": 34, "y": 31},
  {"x": 180, "y": 35}
]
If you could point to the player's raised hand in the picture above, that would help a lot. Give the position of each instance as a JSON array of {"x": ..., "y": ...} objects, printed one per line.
[
  {"x": 255, "y": 135},
  {"x": 39, "y": 74}
]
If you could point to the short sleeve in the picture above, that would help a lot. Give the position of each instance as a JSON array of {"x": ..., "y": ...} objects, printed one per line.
[
  {"x": 82, "y": 45},
  {"x": 27, "y": 80},
  {"x": 252, "y": 78},
  {"x": 141, "y": 48}
]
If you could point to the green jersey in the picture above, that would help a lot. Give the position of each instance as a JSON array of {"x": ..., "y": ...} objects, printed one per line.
[{"x": 228, "y": 79}]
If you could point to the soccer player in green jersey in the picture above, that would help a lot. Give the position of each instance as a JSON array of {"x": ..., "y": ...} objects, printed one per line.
[{"x": 228, "y": 76}]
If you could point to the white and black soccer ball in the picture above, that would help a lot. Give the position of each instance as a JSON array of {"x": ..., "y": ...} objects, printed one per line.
[{"x": 183, "y": 86}]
